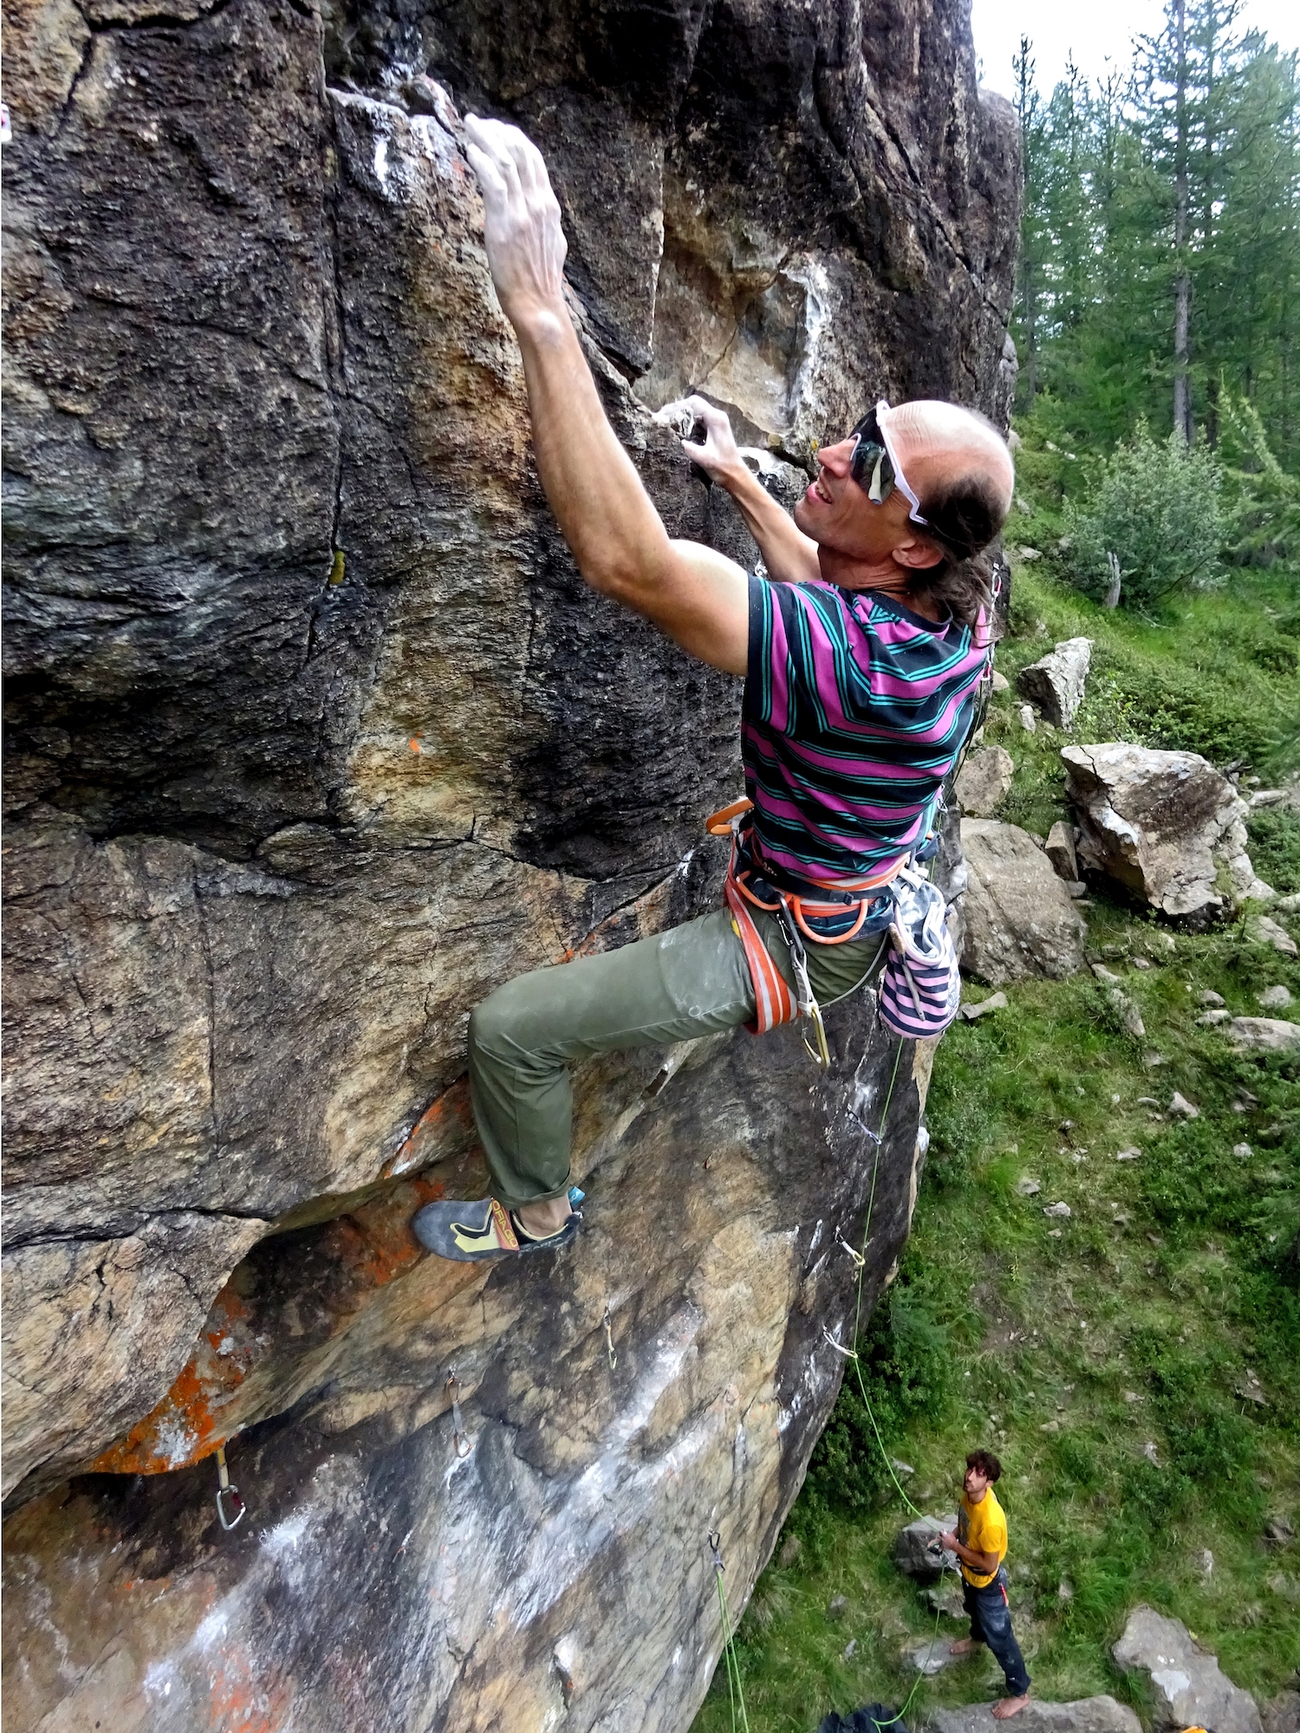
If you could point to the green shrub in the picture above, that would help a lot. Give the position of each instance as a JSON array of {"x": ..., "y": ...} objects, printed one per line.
[
  {"x": 1158, "y": 509},
  {"x": 1274, "y": 833},
  {"x": 907, "y": 1363}
]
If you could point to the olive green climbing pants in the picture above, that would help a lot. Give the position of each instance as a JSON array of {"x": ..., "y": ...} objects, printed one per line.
[{"x": 692, "y": 980}]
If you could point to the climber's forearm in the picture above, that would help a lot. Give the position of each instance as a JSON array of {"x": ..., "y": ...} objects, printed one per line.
[
  {"x": 697, "y": 596},
  {"x": 605, "y": 514},
  {"x": 789, "y": 555}
]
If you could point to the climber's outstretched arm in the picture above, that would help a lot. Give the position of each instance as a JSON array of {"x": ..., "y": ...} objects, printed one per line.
[{"x": 697, "y": 596}]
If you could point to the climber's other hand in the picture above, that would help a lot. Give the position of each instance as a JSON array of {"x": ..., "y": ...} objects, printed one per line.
[
  {"x": 524, "y": 239},
  {"x": 718, "y": 456}
]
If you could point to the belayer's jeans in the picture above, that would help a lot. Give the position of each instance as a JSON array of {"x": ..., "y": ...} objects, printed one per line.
[
  {"x": 990, "y": 1622},
  {"x": 692, "y": 980}
]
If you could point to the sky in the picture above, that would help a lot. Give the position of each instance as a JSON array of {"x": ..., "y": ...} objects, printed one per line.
[{"x": 1093, "y": 31}]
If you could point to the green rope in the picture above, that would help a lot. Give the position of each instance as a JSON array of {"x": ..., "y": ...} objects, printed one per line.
[
  {"x": 879, "y": 1141},
  {"x": 734, "y": 1689}
]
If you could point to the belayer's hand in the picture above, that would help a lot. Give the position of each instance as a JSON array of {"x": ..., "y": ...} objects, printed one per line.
[{"x": 524, "y": 239}]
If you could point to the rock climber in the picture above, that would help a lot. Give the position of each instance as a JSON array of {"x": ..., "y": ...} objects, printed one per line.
[
  {"x": 861, "y": 649},
  {"x": 980, "y": 1542}
]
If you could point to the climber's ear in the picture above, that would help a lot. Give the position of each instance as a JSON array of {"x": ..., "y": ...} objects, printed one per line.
[{"x": 917, "y": 554}]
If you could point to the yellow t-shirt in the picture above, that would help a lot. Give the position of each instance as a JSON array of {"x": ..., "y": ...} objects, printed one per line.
[{"x": 983, "y": 1528}]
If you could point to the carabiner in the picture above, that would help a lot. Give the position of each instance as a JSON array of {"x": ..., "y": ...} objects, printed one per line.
[{"x": 225, "y": 1491}]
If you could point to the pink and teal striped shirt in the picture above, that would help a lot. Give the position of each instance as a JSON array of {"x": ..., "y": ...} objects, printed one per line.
[{"x": 855, "y": 709}]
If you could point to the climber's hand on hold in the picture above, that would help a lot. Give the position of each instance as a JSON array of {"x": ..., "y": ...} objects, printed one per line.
[
  {"x": 522, "y": 231},
  {"x": 718, "y": 457}
]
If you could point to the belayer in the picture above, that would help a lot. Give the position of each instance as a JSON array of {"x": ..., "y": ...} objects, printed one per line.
[
  {"x": 980, "y": 1542},
  {"x": 862, "y": 650}
]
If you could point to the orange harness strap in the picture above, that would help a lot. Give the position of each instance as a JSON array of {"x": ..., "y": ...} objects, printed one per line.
[{"x": 774, "y": 1002}]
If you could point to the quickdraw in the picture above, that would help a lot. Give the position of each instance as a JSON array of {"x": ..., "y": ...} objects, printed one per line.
[
  {"x": 228, "y": 1494},
  {"x": 459, "y": 1438}
]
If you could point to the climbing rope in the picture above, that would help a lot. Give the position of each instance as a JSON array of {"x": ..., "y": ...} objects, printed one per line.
[
  {"x": 851, "y": 1355},
  {"x": 734, "y": 1690}
]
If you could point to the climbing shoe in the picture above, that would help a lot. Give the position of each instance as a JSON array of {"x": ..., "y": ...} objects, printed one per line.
[{"x": 470, "y": 1232}]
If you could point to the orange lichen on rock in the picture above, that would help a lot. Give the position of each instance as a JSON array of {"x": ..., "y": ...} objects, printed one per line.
[
  {"x": 444, "y": 1125},
  {"x": 361, "y": 1253}
]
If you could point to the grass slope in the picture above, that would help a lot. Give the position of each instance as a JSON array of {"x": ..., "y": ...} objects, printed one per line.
[{"x": 1104, "y": 1356}]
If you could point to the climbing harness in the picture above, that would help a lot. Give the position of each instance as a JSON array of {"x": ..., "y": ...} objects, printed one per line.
[
  {"x": 459, "y": 1437},
  {"x": 774, "y": 1004},
  {"x": 228, "y": 1495},
  {"x": 734, "y": 1690}
]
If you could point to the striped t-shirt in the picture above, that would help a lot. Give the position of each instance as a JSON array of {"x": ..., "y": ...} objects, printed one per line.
[{"x": 855, "y": 709}]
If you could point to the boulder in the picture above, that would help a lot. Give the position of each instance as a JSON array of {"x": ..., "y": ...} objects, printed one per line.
[
  {"x": 1162, "y": 823},
  {"x": 1056, "y": 682},
  {"x": 1019, "y": 920},
  {"x": 984, "y": 780},
  {"x": 1264, "y": 1034},
  {"x": 1060, "y": 851},
  {"x": 917, "y": 1552},
  {"x": 1085, "y": 1715},
  {"x": 1187, "y": 1688},
  {"x": 314, "y": 736}
]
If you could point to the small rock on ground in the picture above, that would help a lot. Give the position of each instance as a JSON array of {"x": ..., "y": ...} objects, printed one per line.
[
  {"x": 1210, "y": 997},
  {"x": 1275, "y": 998},
  {"x": 931, "y": 1656},
  {"x": 1264, "y": 1034},
  {"x": 1180, "y": 1105},
  {"x": 1060, "y": 851},
  {"x": 1062, "y": 1211},
  {"x": 1281, "y": 1714},
  {"x": 1212, "y": 1019},
  {"x": 1266, "y": 931},
  {"x": 1028, "y": 721},
  {"x": 994, "y": 1002},
  {"x": 1056, "y": 682}
]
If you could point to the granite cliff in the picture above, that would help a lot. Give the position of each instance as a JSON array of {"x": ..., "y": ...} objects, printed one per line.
[{"x": 313, "y": 736}]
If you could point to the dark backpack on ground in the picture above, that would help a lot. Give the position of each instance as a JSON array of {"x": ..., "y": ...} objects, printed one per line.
[{"x": 872, "y": 1718}]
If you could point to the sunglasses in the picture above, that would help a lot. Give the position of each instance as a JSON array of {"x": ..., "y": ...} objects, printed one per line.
[{"x": 875, "y": 468}]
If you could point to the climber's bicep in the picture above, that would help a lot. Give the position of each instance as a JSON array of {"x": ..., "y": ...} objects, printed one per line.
[{"x": 701, "y": 600}]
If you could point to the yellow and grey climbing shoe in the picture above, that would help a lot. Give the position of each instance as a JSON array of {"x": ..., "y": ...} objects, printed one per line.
[{"x": 470, "y": 1232}]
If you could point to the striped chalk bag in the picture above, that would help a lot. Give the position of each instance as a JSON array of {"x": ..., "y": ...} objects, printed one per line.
[{"x": 920, "y": 988}]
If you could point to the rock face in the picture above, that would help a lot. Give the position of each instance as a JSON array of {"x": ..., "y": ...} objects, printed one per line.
[
  {"x": 314, "y": 736},
  {"x": 1056, "y": 682},
  {"x": 1187, "y": 1687},
  {"x": 1018, "y": 919},
  {"x": 1085, "y": 1715},
  {"x": 1162, "y": 823},
  {"x": 984, "y": 780}
]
